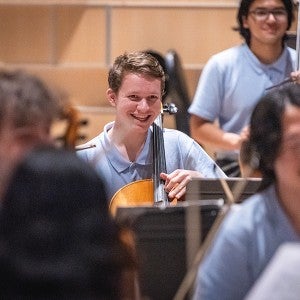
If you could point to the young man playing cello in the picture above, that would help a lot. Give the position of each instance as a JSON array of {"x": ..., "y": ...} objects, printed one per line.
[{"x": 123, "y": 152}]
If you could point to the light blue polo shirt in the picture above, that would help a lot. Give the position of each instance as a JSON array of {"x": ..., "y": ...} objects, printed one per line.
[
  {"x": 246, "y": 242},
  {"x": 181, "y": 151},
  {"x": 233, "y": 81}
]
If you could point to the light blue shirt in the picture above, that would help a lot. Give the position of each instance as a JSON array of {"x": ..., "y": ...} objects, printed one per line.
[
  {"x": 181, "y": 151},
  {"x": 246, "y": 242},
  {"x": 233, "y": 81}
]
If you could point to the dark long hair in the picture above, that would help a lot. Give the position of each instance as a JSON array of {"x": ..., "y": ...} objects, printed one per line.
[
  {"x": 57, "y": 240},
  {"x": 266, "y": 128}
]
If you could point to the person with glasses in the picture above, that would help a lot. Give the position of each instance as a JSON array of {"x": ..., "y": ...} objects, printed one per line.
[
  {"x": 250, "y": 235},
  {"x": 262, "y": 14},
  {"x": 232, "y": 81}
]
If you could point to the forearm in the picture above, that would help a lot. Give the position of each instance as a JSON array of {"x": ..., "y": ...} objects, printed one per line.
[{"x": 208, "y": 134}]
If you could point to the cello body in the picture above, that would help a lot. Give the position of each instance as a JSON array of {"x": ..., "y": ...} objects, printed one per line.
[{"x": 136, "y": 193}]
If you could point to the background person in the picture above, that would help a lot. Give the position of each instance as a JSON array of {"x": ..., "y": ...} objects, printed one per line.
[
  {"x": 57, "y": 240},
  {"x": 27, "y": 111},
  {"x": 250, "y": 235},
  {"x": 233, "y": 80}
]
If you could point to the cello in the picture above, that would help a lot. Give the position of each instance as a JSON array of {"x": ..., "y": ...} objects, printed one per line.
[{"x": 147, "y": 192}]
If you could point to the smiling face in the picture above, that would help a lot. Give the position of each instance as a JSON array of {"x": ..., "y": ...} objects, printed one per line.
[
  {"x": 137, "y": 103},
  {"x": 268, "y": 31}
]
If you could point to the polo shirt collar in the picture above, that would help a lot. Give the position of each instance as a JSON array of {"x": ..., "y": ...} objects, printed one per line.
[
  {"x": 278, "y": 65},
  {"x": 119, "y": 163}
]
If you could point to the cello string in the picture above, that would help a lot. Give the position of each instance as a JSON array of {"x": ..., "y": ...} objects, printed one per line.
[{"x": 159, "y": 163}]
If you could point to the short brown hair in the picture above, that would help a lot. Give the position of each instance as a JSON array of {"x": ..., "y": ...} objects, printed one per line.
[{"x": 139, "y": 62}]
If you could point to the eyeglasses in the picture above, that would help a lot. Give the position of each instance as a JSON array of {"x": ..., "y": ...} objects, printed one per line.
[{"x": 262, "y": 14}]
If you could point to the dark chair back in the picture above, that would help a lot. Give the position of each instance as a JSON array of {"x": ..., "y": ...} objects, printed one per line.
[
  {"x": 161, "y": 60},
  {"x": 178, "y": 90}
]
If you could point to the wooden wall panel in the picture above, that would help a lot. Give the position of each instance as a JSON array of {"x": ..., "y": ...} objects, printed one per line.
[
  {"x": 195, "y": 33},
  {"x": 83, "y": 85},
  {"x": 192, "y": 78},
  {"x": 80, "y": 35},
  {"x": 25, "y": 34}
]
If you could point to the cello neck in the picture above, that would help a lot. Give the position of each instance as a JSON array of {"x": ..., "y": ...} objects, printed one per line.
[
  {"x": 159, "y": 163},
  {"x": 159, "y": 158}
]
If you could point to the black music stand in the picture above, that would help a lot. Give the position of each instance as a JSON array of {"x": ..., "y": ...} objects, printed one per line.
[
  {"x": 211, "y": 188},
  {"x": 161, "y": 239}
]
